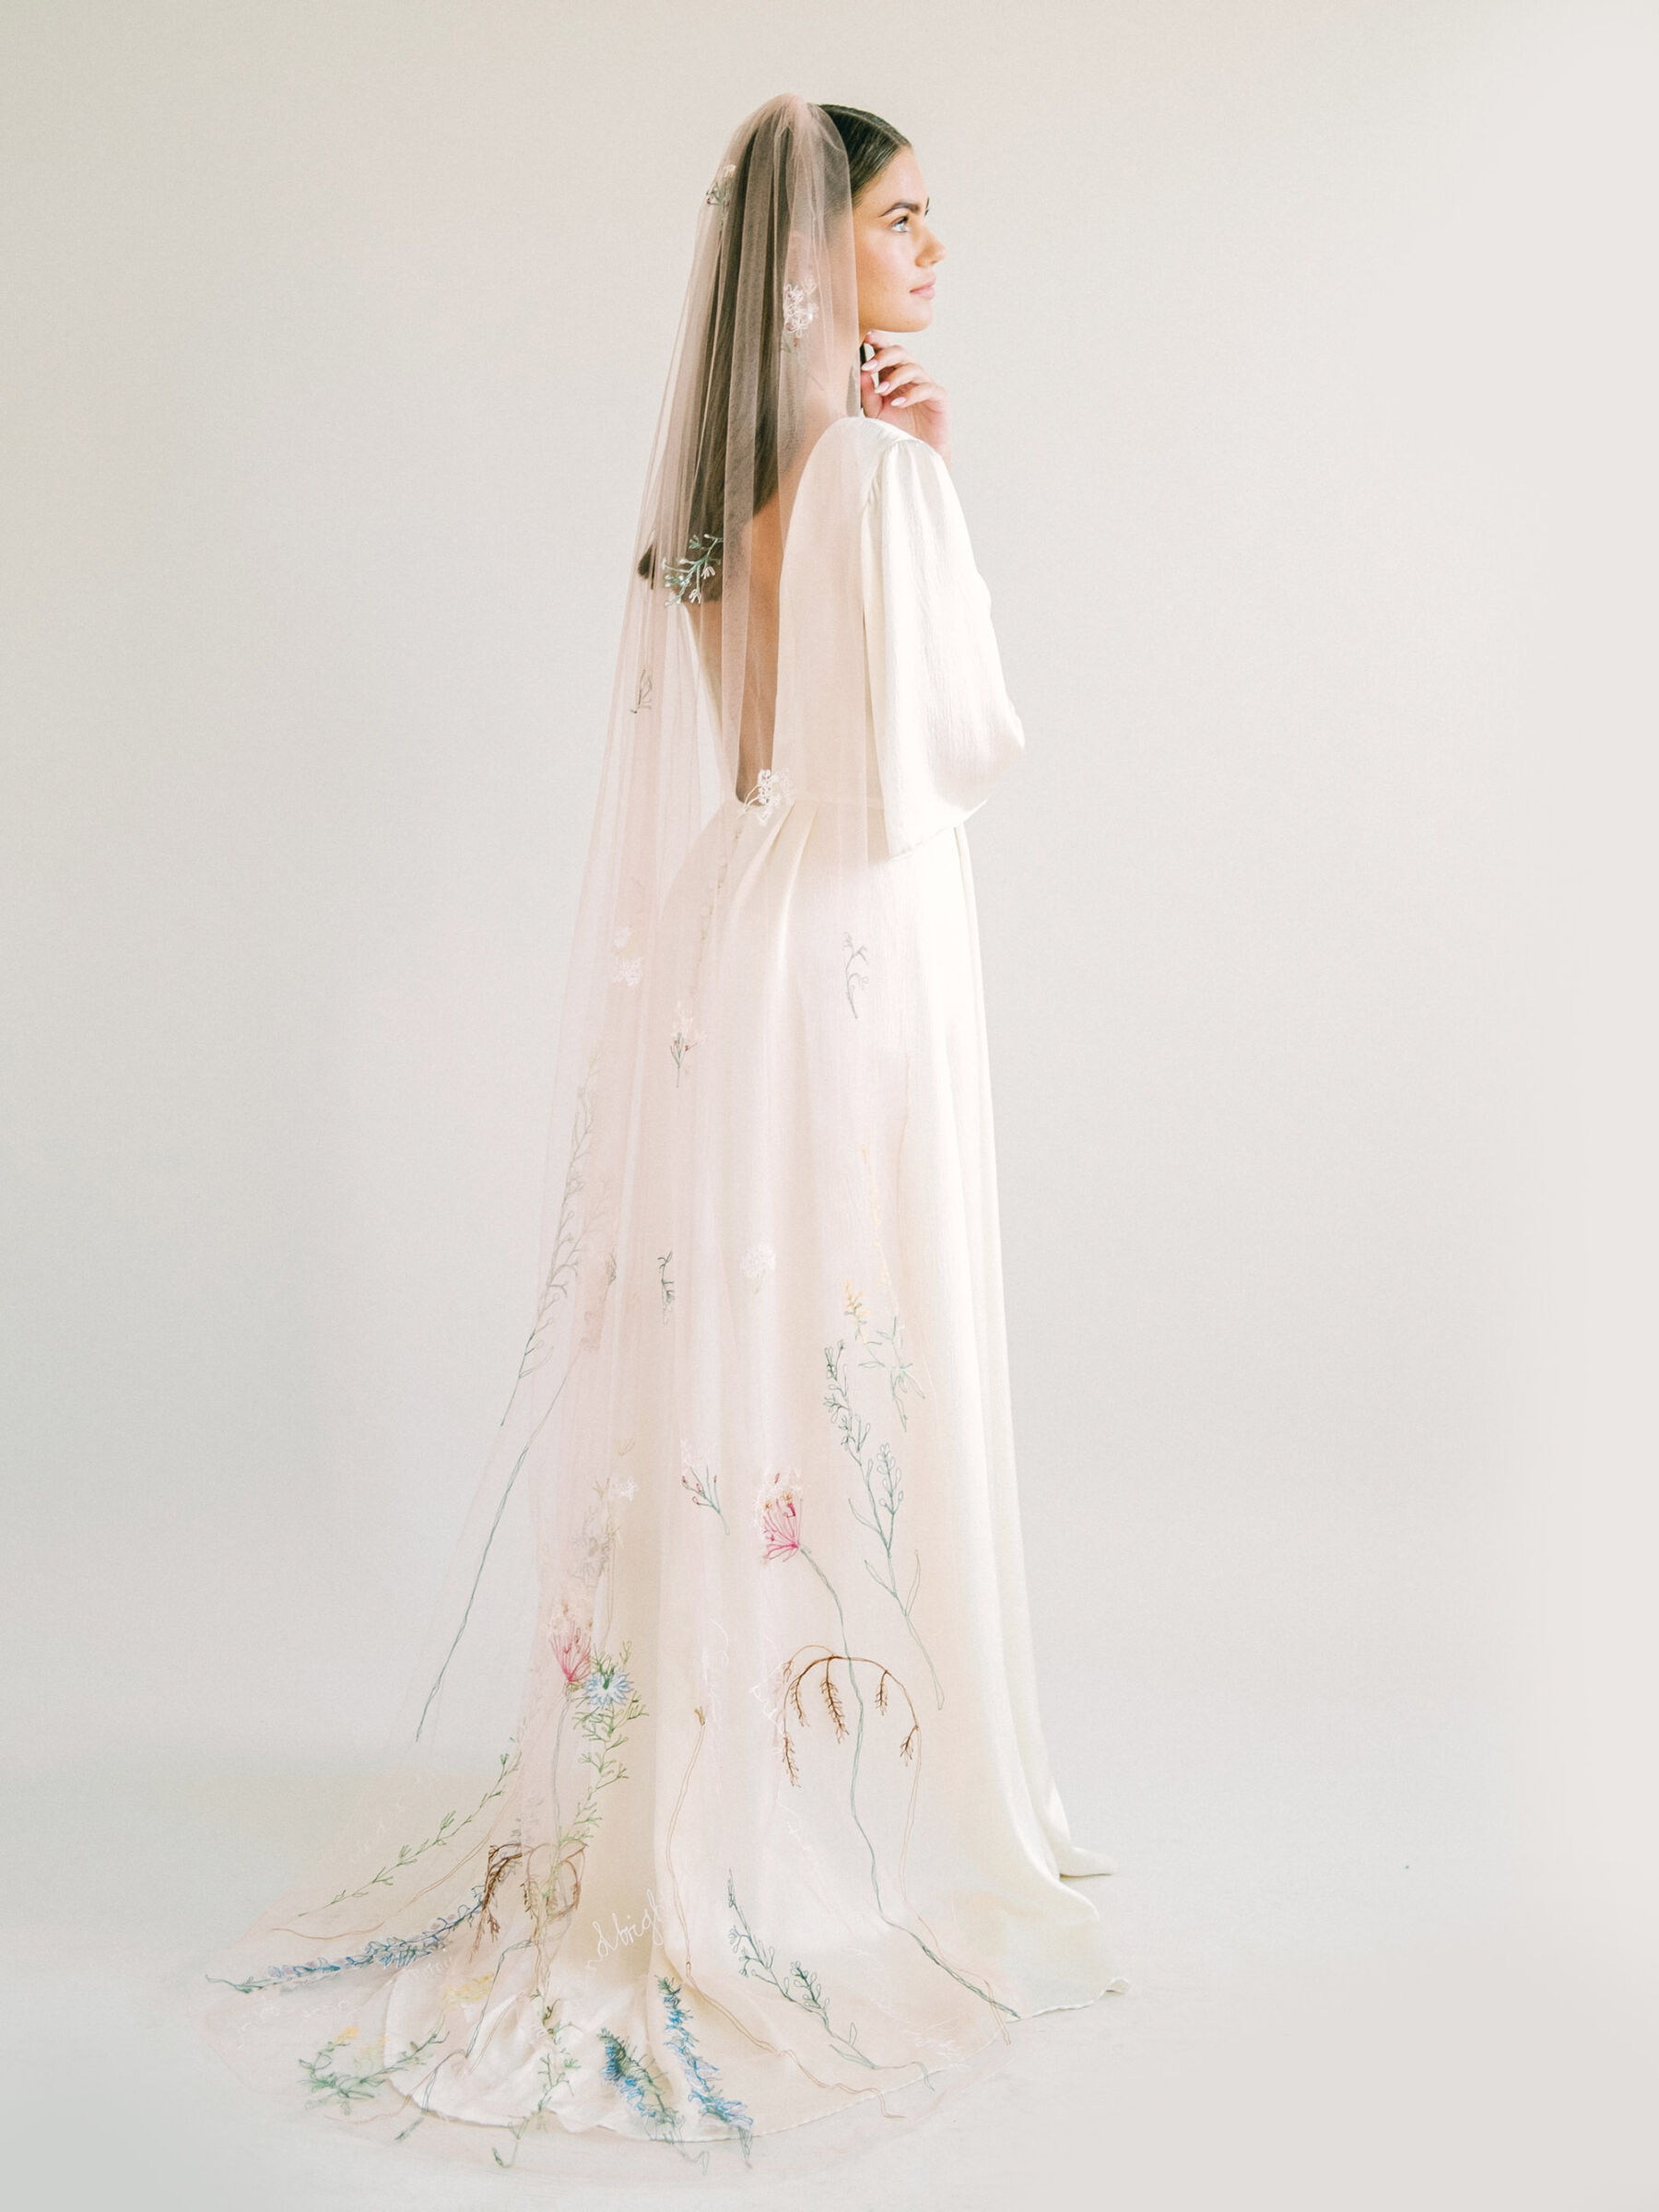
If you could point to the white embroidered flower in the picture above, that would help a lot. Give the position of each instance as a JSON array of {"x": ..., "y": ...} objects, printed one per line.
[
  {"x": 720, "y": 191},
  {"x": 687, "y": 579},
  {"x": 772, "y": 789},
  {"x": 619, "y": 942},
  {"x": 629, "y": 972},
  {"x": 800, "y": 311},
  {"x": 758, "y": 1263}
]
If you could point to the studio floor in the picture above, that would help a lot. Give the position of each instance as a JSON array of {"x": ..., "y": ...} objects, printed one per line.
[{"x": 1347, "y": 1991}]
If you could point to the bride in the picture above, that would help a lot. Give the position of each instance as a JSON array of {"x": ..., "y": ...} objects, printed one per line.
[{"x": 722, "y": 1805}]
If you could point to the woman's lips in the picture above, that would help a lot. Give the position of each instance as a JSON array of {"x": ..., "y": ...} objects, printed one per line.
[{"x": 923, "y": 291}]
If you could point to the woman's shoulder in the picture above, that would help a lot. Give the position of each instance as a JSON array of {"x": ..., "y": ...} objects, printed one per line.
[
  {"x": 862, "y": 446},
  {"x": 865, "y": 431}
]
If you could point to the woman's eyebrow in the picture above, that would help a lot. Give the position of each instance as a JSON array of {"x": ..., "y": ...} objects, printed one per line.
[{"x": 909, "y": 207}]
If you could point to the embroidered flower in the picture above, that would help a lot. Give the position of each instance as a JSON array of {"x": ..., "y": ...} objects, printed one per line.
[
  {"x": 686, "y": 578},
  {"x": 800, "y": 312},
  {"x": 856, "y": 970},
  {"x": 629, "y": 972},
  {"x": 684, "y": 1038},
  {"x": 468, "y": 1992},
  {"x": 696, "y": 1478},
  {"x": 758, "y": 1263},
  {"x": 605, "y": 1687},
  {"x": 780, "y": 1508},
  {"x": 721, "y": 190},
  {"x": 573, "y": 1645},
  {"x": 772, "y": 789}
]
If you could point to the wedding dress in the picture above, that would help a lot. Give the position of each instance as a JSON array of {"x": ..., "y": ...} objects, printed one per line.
[{"x": 725, "y": 1807}]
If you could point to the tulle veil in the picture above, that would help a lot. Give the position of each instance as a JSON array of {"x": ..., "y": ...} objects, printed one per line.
[
  {"x": 764, "y": 360},
  {"x": 463, "y": 1809}
]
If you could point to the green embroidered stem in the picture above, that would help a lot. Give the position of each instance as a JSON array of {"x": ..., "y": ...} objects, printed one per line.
[
  {"x": 685, "y": 579},
  {"x": 567, "y": 1237},
  {"x": 883, "y": 1493},
  {"x": 606, "y": 1706},
  {"x": 409, "y": 1854},
  {"x": 349, "y": 2085},
  {"x": 757, "y": 1961}
]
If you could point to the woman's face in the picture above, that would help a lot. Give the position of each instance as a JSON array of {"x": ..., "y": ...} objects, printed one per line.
[{"x": 896, "y": 250}]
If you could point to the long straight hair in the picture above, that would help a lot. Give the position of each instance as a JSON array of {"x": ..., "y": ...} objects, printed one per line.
[{"x": 867, "y": 143}]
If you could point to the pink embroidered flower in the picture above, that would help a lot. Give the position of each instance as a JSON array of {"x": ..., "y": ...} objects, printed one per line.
[
  {"x": 684, "y": 1039},
  {"x": 780, "y": 1521},
  {"x": 573, "y": 1645},
  {"x": 695, "y": 1476}
]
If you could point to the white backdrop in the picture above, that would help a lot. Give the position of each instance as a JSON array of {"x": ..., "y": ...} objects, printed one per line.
[{"x": 1299, "y": 355}]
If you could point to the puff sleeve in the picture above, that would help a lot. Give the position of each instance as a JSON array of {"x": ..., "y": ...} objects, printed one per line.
[{"x": 943, "y": 726}]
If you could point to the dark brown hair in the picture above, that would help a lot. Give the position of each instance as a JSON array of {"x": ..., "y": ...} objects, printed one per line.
[
  {"x": 871, "y": 143},
  {"x": 868, "y": 144}
]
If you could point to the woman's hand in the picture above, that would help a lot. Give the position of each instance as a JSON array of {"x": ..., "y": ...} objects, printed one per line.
[{"x": 894, "y": 387}]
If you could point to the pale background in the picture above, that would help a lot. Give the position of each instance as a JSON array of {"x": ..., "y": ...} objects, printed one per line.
[{"x": 1301, "y": 363}]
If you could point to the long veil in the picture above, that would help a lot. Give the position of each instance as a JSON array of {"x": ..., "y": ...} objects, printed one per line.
[
  {"x": 478, "y": 1800},
  {"x": 764, "y": 360}
]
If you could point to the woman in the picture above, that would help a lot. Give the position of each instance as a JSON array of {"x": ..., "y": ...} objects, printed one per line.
[{"x": 724, "y": 1808}]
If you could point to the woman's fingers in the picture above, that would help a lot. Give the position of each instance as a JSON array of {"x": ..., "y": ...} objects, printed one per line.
[
  {"x": 882, "y": 360},
  {"x": 910, "y": 384},
  {"x": 898, "y": 379},
  {"x": 905, "y": 372}
]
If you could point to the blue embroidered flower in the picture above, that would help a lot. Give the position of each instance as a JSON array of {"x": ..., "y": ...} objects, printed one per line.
[
  {"x": 703, "y": 2078},
  {"x": 605, "y": 1687}
]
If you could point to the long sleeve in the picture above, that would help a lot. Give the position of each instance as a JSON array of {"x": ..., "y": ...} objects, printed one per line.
[{"x": 944, "y": 727}]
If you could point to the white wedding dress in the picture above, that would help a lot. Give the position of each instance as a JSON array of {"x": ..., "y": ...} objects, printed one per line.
[{"x": 773, "y": 1831}]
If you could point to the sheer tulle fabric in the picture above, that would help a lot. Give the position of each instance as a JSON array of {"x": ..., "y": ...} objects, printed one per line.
[{"x": 721, "y": 1806}]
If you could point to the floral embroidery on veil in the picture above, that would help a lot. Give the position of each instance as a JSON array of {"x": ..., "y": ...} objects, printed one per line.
[{"x": 800, "y": 311}]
